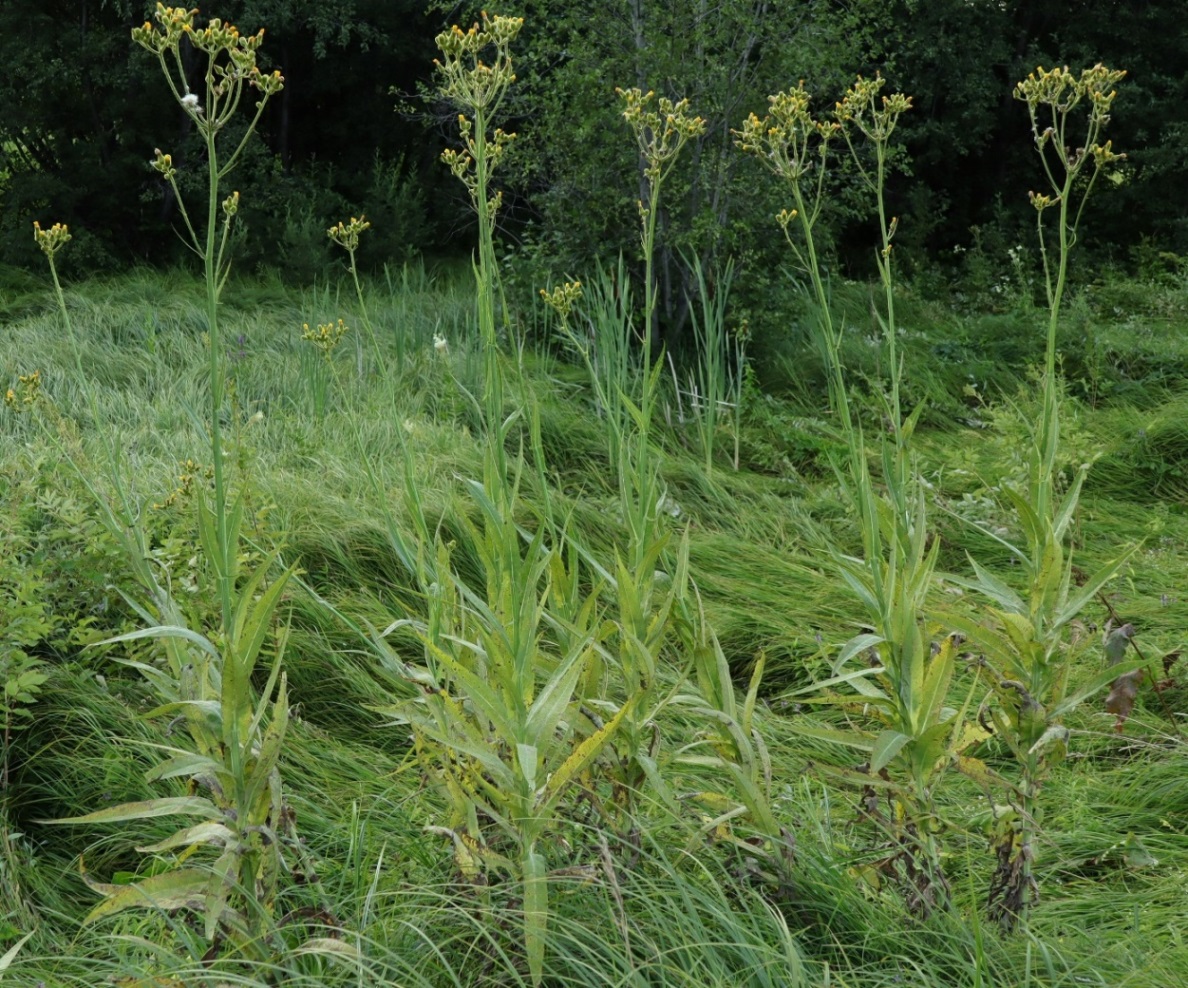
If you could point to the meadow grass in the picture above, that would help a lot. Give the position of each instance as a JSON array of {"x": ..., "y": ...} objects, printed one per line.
[{"x": 678, "y": 905}]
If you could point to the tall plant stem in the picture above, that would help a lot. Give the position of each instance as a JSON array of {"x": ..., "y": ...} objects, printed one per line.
[
  {"x": 485, "y": 278},
  {"x": 829, "y": 335},
  {"x": 210, "y": 259},
  {"x": 649, "y": 245}
]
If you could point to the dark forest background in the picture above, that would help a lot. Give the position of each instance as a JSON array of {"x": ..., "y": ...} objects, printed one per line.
[{"x": 82, "y": 108}]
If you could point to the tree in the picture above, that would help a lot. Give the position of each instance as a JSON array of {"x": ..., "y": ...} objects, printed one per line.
[
  {"x": 83, "y": 114},
  {"x": 579, "y": 175}
]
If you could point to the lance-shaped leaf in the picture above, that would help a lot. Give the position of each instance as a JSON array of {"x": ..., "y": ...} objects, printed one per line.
[
  {"x": 1086, "y": 593},
  {"x": 536, "y": 910},
  {"x": 202, "y": 833},
  {"x": 886, "y": 746},
  {"x": 582, "y": 756},
  {"x": 181, "y": 889},
  {"x": 11, "y": 953},
  {"x": 553, "y": 700},
  {"x": 166, "y": 631},
  {"x": 169, "y": 806}
]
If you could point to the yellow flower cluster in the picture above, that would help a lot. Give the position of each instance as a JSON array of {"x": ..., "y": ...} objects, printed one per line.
[
  {"x": 346, "y": 235},
  {"x": 661, "y": 127},
  {"x": 563, "y": 297},
  {"x": 1059, "y": 89},
  {"x": 163, "y": 163},
  {"x": 26, "y": 393},
  {"x": 52, "y": 240},
  {"x": 467, "y": 79},
  {"x": 325, "y": 337},
  {"x": 190, "y": 471},
  {"x": 789, "y": 140},
  {"x": 862, "y": 107},
  {"x": 1054, "y": 98},
  {"x": 217, "y": 37},
  {"x": 478, "y": 86}
]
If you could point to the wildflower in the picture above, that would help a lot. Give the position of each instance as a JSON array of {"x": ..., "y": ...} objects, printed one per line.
[
  {"x": 163, "y": 164},
  {"x": 190, "y": 102},
  {"x": 562, "y": 298},
  {"x": 346, "y": 235},
  {"x": 52, "y": 240},
  {"x": 440, "y": 344},
  {"x": 326, "y": 337}
]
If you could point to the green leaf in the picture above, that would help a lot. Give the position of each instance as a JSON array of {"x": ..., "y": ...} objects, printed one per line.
[
  {"x": 253, "y": 621},
  {"x": 553, "y": 700},
  {"x": 486, "y": 756},
  {"x": 185, "y": 764},
  {"x": 999, "y": 647},
  {"x": 996, "y": 590},
  {"x": 1068, "y": 506},
  {"x": 755, "y": 800},
  {"x": 856, "y": 645},
  {"x": 886, "y": 746},
  {"x": 166, "y": 631},
  {"x": 170, "y": 806},
  {"x": 1101, "y": 678},
  {"x": 1086, "y": 593},
  {"x": 271, "y": 746},
  {"x": 528, "y": 757},
  {"x": 584, "y": 754},
  {"x": 329, "y": 946},
  {"x": 202, "y": 833},
  {"x": 181, "y": 889},
  {"x": 1056, "y": 736},
  {"x": 11, "y": 953},
  {"x": 536, "y": 911},
  {"x": 936, "y": 683},
  {"x": 857, "y": 678},
  {"x": 753, "y": 692},
  {"x": 850, "y": 739},
  {"x": 487, "y": 702}
]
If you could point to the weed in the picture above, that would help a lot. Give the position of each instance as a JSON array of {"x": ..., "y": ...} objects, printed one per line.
[{"x": 1030, "y": 661}]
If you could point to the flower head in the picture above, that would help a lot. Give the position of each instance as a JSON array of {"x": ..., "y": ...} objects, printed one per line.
[
  {"x": 325, "y": 337},
  {"x": 52, "y": 240},
  {"x": 346, "y": 235}
]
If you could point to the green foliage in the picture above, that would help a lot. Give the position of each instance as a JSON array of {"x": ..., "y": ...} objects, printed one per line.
[
  {"x": 713, "y": 391},
  {"x": 244, "y": 825},
  {"x": 583, "y": 684},
  {"x": 759, "y": 584},
  {"x": 26, "y": 621},
  {"x": 503, "y": 722}
]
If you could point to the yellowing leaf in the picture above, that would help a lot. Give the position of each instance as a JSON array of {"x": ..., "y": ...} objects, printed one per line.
[
  {"x": 171, "y": 806},
  {"x": 182, "y": 889}
]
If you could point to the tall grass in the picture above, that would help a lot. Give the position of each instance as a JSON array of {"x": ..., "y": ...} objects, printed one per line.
[{"x": 761, "y": 588}]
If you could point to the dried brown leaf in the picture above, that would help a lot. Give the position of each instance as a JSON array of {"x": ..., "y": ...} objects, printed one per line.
[{"x": 1123, "y": 693}]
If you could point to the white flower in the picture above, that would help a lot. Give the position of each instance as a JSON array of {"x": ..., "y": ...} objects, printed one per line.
[
  {"x": 190, "y": 102},
  {"x": 440, "y": 344}
]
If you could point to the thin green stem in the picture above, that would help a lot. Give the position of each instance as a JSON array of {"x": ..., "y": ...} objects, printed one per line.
[
  {"x": 217, "y": 388},
  {"x": 363, "y": 310}
]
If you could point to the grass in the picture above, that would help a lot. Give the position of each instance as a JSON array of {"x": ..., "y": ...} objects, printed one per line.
[{"x": 670, "y": 906}]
